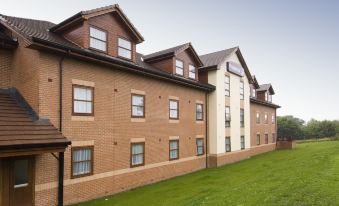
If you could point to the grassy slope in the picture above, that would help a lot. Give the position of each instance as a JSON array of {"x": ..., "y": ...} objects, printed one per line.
[{"x": 308, "y": 175}]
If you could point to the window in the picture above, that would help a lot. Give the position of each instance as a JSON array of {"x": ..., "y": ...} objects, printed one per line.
[
  {"x": 242, "y": 142},
  {"x": 97, "y": 39},
  {"x": 199, "y": 112},
  {"x": 82, "y": 161},
  {"x": 228, "y": 144},
  {"x": 173, "y": 109},
  {"x": 258, "y": 139},
  {"x": 273, "y": 137},
  {"x": 273, "y": 119},
  {"x": 137, "y": 154},
  {"x": 227, "y": 116},
  {"x": 82, "y": 100},
  {"x": 200, "y": 146},
  {"x": 257, "y": 120},
  {"x": 227, "y": 86},
  {"x": 266, "y": 138},
  {"x": 138, "y": 105},
  {"x": 269, "y": 98},
  {"x": 241, "y": 90},
  {"x": 242, "y": 118},
  {"x": 266, "y": 96},
  {"x": 173, "y": 149},
  {"x": 266, "y": 118},
  {"x": 179, "y": 67},
  {"x": 21, "y": 173},
  {"x": 191, "y": 73},
  {"x": 124, "y": 48},
  {"x": 253, "y": 92}
]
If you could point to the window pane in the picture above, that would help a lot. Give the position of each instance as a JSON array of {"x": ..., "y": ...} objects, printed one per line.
[
  {"x": 173, "y": 105},
  {"x": 199, "y": 108},
  {"x": 179, "y": 63},
  {"x": 179, "y": 71},
  {"x": 191, "y": 71},
  {"x": 125, "y": 53},
  {"x": 20, "y": 172},
  {"x": 138, "y": 100},
  {"x": 82, "y": 107},
  {"x": 200, "y": 142},
  {"x": 137, "y": 159},
  {"x": 125, "y": 44},
  {"x": 173, "y": 113},
  {"x": 137, "y": 149},
  {"x": 98, "y": 34},
  {"x": 137, "y": 111},
  {"x": 173, "y": 154},
  {"x": 200, "y": 150},
  {"x": 199, "y": 116},
  {"x": 173, "y": 145},
  {"x": 97, "y": 44}
]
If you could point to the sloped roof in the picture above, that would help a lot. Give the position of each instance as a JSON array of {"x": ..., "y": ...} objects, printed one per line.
[
  {"x": 215, "y": 58},
  {"x": 37, "y": 32},
  {"x": 19, "y": 131},
  {"x": 212, "y": 60},
  {"x": 82, "y": 15},
  {"x": 265, "y": 87},
  {"x": 265, "y": 103},
  {"x": 172, "y": 52}
]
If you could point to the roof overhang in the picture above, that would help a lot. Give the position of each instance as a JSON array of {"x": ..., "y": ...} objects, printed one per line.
[
  {"x": 264, "y": 103},
  {"x": 82, "y": 16},
  {"x": 117, "y": 63}
]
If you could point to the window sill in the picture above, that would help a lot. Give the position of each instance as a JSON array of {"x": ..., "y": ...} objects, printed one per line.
[
  {"x": 83, "y": 118},
  {"x": 175, "y": 121},
  {"x": 199, "y": 121},
  {"x": 138, "y": 119}
]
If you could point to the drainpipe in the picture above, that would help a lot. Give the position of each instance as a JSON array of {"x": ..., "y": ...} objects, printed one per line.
[
  {"x": 206, "y": 129},
  {"x": 61, "y": 154}
]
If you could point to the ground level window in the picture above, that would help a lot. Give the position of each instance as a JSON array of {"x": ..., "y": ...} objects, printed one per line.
[
  {"x": 228, "y": 144},
  {"x": 173, "y": 149},
  {"x": 200, "y": 146},
  {"x": 137, "y": 154},
  {"x": 258, "y": 139},
  {"x": 82, "y": 161},
  {"x": 266, "y": 138},
  {"x": 242, "y": 142},
  {"x": 273, "y": 137}
]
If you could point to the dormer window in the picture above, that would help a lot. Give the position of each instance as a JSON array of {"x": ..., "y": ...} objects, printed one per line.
[
  {"x": 97, "y": 39},
  {"x": 269, "y": 98},
  {"x": 253, "y": 92},
  {"x": 179, "y": 67},
  {"x": 124, "y": 48},
  {"x": 191, "y": 72}
]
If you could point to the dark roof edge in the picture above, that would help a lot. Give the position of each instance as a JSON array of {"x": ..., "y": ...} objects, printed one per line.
[
  {"x": 160, "y": 57},
  {"x": 257, "y": 101},
  {"x": 64, "y": 23},
  {"x": 208, "y": 68},
  {"x": 39, "y": 43},
  {"x": 242, "y": 61}
]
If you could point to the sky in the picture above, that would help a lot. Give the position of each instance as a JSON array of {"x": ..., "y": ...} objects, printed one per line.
[{"x": 292, "y": 44}]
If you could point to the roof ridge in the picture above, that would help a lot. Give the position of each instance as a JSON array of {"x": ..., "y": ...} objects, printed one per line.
[
  {"x": 30, "y": 19},
  {"x": 224, "y": 50},
  {"x": 169, "y": 49},
  {"x": 99, "y": 9}
]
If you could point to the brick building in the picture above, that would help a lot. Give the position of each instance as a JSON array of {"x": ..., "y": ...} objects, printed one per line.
[{"x": 84, "y": 115}]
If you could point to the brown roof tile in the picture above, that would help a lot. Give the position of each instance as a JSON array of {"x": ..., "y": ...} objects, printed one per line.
[{"x": 19, "y": 131}]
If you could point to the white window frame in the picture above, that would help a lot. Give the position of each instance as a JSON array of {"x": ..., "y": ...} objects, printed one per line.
[
  {"x": 173, "y": 109},
  {"x": 191, "y": 71},
  {"x": 87, "y": 100},
  {"x": 227, "y": 85},
  {"x": 123, "y": 48},
  {"x": 227, "y": 117},
  {"x": 94, "y": 38},
  {"x": 179, "y": 70},
  {"x": 242, "y": 96}
]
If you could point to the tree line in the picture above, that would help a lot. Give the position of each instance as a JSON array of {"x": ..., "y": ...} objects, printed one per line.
[{"x": 293, "y": 127}]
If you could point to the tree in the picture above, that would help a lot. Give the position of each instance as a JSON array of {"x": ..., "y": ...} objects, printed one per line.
[{"x": 290, "y": 127}]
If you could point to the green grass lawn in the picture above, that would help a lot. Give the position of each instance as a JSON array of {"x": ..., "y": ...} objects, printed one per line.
[{"x": 308, "y": 175}]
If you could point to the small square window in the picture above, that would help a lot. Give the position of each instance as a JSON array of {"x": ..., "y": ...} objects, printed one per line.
[
  {"x": 173, "y": 109},
  {"x": 124, "y": 48},
  {"x": 173, "y": 149},
  {"x": 179, "y": 67},
  {"x": 192, "y": 72},
  {"x": 199, "y": 112},
  {"x": 98, "y": 39},
  {"x": 83, "y": 100},
  {"x": 138, "y": 105},
  {"x": 82, "y": 161},
  {"x": 200, "y": 146},
  {"x": 137, "y": 154}
]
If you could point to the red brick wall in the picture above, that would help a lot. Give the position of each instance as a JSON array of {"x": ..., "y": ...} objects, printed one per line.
[
  {"x": 5, "y": 68},
  {"x": 262, "y": 128},
  {"x": 112, "y": 123}
]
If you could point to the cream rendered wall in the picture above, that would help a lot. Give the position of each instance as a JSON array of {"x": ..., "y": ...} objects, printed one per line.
[{"x": 217, "y": 109}]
